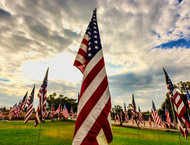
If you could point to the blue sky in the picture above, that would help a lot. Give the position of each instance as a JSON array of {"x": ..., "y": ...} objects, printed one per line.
[{"x": 138, "y": 38}]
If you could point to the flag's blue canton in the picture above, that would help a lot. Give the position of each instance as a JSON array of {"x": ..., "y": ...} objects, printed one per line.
[
  {"x": 24, "y": 97},
  {"x": 94, "y": 44},
  {"x": 169, "y": 82},
  {"x": 153, "y": 106},
  {"x": 188, "y": 95},
  {"x": 65, "y": 107},
  {"x": 180, "y": 1},
  {"x": 166, "y": 109}
]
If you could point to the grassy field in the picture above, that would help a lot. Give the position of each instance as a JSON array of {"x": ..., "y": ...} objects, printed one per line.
[{"x": 61, "y": 133}]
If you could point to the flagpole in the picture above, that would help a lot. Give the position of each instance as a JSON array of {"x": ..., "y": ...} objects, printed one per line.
[
  {"x": 39, "y": 134},
  {"x": 175, "y": 119}
]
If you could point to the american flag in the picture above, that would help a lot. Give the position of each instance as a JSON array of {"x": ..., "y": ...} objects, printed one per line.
[
  {"x": 65, "y": 112},
  {"x": 140, "y": 116},
  {"x": 58, "y": 109},
  {"x": 60, "y": 112},
  {"x": 13, "y": 111},
  {"x": 93, "y": 119},
  {"x": 52, "y": 111},
  {"x": 150, "y": 121},
  {"x": 30, "y": 106},
  {"x": 121, "y": 116},
  {"x": 72, "y": 113},
  {"x": 155, "y": 115},
  {"x": 1, "y": 114},
  {"x": 179, "y": 105},
  {"x": 23, "y": 104},
  {"x": 168, "y": 119},
  {"x": 133, "y": 107},
  {"x": 188, "y": 97},
  {"x": 133, "y": 111},
  {"x": 126, "y": 115},
  {"x": 42, "y": 95}
]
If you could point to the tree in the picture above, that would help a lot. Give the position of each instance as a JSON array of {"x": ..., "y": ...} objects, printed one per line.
[{"x": 63, "y": 100}]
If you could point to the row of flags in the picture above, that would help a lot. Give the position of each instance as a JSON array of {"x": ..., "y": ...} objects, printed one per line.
[
  {"x": 177, "y": 104},
  {"x": 41, "y": 113}
]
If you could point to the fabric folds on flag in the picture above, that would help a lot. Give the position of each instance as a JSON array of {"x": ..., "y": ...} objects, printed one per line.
[
  {"x": 30, "y": 108},
  {"x": 188, "y": 97},
  {"x": 178, "y": 104},
  {"x": 155, "y": 115},
  {"x": 42, "y": 95},
  {"x": 65, "y": 112},
  {"x": 93, "y": 117},
  {"x": 168, "y": 119}
]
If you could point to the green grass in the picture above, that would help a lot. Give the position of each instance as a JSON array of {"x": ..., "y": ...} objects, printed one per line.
[{"x": 61, "y": 133}]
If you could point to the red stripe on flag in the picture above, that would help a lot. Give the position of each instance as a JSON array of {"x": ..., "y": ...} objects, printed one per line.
[
  {"x": 99, "y": 123},
  {"x": 82, "y": 52},
  {"x": 91, "y": 103},
  {"x": 91, "y": 75},
  {"x": 85, "y": 42}
]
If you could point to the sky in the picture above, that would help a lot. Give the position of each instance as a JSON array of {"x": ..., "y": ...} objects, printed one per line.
[{"x": 139, "y": 38}]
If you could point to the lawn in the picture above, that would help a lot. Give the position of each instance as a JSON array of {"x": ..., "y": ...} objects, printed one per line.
[{"x": 61, "y": 133}]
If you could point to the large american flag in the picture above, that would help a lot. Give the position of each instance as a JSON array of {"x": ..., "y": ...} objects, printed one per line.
[
  {"x": 168, "y": 119},
  {"x": 188, "y": 97},
  {"x": 30, "y": 106},
  {"x": 93, "y": 120},
  {"x": 155, "y": 115},
  {"x": 42, "y": 95},
  {"x": 178, "y": 104}
]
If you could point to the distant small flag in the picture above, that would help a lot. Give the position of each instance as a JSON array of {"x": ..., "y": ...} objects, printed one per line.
[
  {"x": 30, "y": 106},
  {"x": 60, "y": 112},
  {"x": 188, "y": 97},
  {"x": 72, "y": 113},
  {"x": 150, "y": 121},
  {"x": 58, "y": 109},
  {"x": 121, "y": 116},
  {"x": 1, "y": 114},
  {"x": 52, "y": 111},
  {"x": 168, "y": 119},
  {"x": 65, "y": 112},
  {"x": 24, "y": 100},
  {"x": 42, "y": 95},
  {"x": 126, "y": 115},
  {"x": 155, "y": 115}
]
